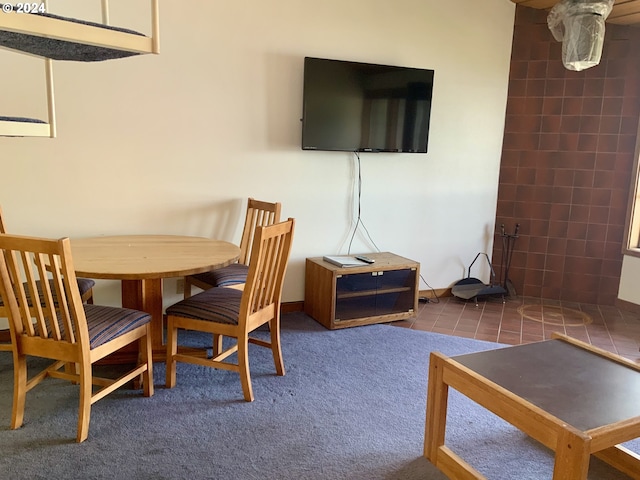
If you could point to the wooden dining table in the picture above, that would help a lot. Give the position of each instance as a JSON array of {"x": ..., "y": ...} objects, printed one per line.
[{"x": 141, "y": 262}]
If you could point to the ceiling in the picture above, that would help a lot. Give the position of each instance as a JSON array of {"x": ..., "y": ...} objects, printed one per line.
[{"x": 625, "y": 12}]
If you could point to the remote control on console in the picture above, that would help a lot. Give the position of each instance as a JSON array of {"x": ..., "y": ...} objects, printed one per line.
[{"x": 365, "y": 259}]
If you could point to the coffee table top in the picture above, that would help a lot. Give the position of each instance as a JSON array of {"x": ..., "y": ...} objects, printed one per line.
[
  {"x": 577, "y": 386},
  {"x": 136, "y": 257}
]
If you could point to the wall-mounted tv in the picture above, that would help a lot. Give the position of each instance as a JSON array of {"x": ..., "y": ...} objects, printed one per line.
[{"x": 363, "y": 107}]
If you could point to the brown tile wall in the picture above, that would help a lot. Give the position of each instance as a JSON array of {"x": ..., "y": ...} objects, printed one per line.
[{"x": 566, "y": 163}]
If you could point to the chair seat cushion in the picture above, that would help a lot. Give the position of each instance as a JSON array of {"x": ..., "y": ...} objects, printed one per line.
[
  {"x": 220, "y": 305},
  {"x": 106, "y": 323},
  {"x": 234, "y": 274},
  {"x": 85, "y": 284}
]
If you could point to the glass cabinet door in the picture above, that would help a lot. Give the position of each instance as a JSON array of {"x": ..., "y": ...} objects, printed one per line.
[
  {"x": 395, "y": 291},
  {"x": 356, "y": 296},
  {"x": 361, "y": 295}
]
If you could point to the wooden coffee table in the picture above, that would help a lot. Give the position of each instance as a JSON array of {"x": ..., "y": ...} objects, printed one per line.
[{"x": 573, "y": 398}]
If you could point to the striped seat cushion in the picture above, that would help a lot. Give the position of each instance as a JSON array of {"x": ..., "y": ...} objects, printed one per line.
[
  {"x": 220, "y": 305},
  {"x": 84, "y": 285},
  {"x": 106, "y": 323},
  {"x": 234, "y": 274}
]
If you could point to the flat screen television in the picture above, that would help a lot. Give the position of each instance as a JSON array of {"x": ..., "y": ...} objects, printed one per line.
[{"x": 363, "y": 107}]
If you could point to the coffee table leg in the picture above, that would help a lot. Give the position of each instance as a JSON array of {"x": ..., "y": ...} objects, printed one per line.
[
  {"x": 572, "y": 456},
  {"x": 437, "y": 396},
  {"x": 146, "y": 295}
]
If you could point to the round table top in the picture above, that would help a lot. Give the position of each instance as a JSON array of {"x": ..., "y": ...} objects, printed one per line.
[{"x": 137, "y": 257}]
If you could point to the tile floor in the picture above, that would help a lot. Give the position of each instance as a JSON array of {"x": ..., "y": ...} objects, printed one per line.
[{"x": 524, "y": 319}]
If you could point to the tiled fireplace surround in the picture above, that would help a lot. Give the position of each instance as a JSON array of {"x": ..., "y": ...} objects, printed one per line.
[{"x": 566, "y": 164}]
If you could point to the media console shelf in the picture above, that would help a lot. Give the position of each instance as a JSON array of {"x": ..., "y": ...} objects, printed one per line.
[{"x": 384, "y": 291}]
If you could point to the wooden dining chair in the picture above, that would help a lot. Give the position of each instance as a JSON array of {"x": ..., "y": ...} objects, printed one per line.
[
  {"x": 237, "y": 313},
  {"x": 62, "y": 328},
  {"x": 259, "y": 214},
  {"x": 84, "y": 284}
]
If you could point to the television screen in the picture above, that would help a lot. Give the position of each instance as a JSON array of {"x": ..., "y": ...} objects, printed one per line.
[{"x": 362, "y": 107}]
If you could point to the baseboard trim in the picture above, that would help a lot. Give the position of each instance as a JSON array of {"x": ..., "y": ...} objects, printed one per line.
[
  {"x": 290, "y": 307},
  {"x": 5, "y": 336},
  {"x": 436, "y": 293}
]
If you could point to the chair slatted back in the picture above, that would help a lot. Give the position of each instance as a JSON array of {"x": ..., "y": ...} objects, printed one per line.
[
  {"x": 2, "y": 227},
  {"x": 37, "y": 307},
  {"x": 267, "y": 267},
  {"x": 259, "y": 214},
  {"x": 4, "y": 346}
]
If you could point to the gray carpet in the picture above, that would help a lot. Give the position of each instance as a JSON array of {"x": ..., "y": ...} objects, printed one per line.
[{"x": 351, "y": 406}]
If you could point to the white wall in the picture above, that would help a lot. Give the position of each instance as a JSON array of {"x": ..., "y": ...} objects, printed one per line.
[
  {"x": 629, "y": 277},
  {"x": 175, "y": 143}
]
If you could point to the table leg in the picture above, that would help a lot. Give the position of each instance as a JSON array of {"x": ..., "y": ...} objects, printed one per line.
[
  {"x": 146, "y": 295},
  {"x": 434, "y": 435},
  {"x": 437, "y": 396},
  {"x": 572, "y": 456}
]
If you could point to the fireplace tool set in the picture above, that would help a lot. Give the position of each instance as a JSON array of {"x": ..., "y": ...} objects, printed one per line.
[{"x": 471, "y": 287}]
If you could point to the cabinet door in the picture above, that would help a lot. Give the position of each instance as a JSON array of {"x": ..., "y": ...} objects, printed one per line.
[
  {"x": 356, "y": 296},
  {"x": 362, "y": 295},
  {"x": 395, "y": 291}
]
